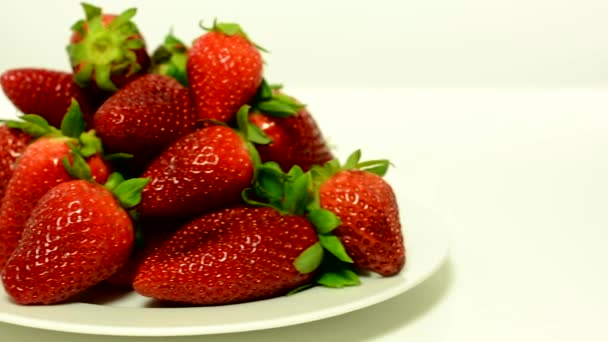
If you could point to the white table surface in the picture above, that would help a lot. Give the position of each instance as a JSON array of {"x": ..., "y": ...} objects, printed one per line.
[{"x": 519, "y": 177}]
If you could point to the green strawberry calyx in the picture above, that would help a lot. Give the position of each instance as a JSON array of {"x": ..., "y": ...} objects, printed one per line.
[
  {"x": 126, "y": 191},
  {"x": 293, "y": 193},
  {"x": 230, "y": 29},
  {"x": 104, "y": 50},
  {"x": 83, "y": 144},
  {"x": 170, "y": 59},
  {"x": 323, "y": 172},
  {"x": 269, "y": 100}
]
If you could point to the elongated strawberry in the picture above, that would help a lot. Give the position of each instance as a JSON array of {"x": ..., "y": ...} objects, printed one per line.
[
  {"x": 296, "y": 137},
  {"x": 145, "y": 116},
  {"x": 12, "y": 143},
  {"x": 77, "y": 235},
  {"x": 233, "y": 255},
  {"x": 47, "y": 93},
  {"x": 42, "y": 166},
  {"x": 202, "y": 171},
  {"x": 107, "y": 51},
  {"x": 224, "y": 70},
  {"x": 365, "y": 203}
]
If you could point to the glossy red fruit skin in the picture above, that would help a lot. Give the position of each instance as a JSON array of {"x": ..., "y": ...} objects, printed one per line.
[
  {"x": 12, "y": 145},
  {"x": 224, "y": 73},
  {"x": 77, "y": 236},
  {"x": 370, "y": 229},
  {"x": 232, "y": 255},
  {"x": 200, "y": 172},
  {"x": 145, "y": 116},
  {"x": 119, "y": 80},
  {"x": 38, "y": 170},
  {"x": 45, "y": 92},
  {"x": 296, "y": 140},
  {"x": 153, "y": 234}
]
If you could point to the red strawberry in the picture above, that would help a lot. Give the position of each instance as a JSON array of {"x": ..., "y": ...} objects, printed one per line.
[
  {"x": 77, "y": 235},
  {"x": 224, "y": 70},
  {"x": 107, "y": 50},
  {"x": 233, "y": 255},
  {"x": 296, "y": 138},
  {"x": 39, "y": 169},
  {"x": 370, "y": 228},
  {"x": 44, "y": 92},
  {"x": 152, "y": 234},
  {"x": 204, "y": 170},
  {"x": 12, "y": 144},
  {"x": 145, "y": 116}
]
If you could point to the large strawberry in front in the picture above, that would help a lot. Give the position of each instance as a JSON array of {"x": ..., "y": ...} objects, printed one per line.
[
  {"x": 224, "y": 70},
  {"x": 232, "y": 255},
  {"x": 54, "y": 158},
  {"x": 365, "y": 203},
  {"x": 77, "y": 235}
]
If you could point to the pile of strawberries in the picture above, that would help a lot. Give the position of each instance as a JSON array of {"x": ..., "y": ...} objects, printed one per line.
[{"x": 183, "y": 175}]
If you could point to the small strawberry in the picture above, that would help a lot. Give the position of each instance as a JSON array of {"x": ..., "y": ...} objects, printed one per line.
[
  {"x": 77, "y": 235},
  {"x": 107, "y": 50},
  {"x": 202, "y": 171},
  {"x": 170, "y": 59},
  {"x": 12, "y": 143},
  {"x": 365, "y": 203},
  {"x": 296, "y": 137},
  {"x": 145, "y": 116},
  {"x": 233, "y": 255},
  {"x": 224, "y": 70},
  {"x": 44, "y": 92},
  {"x": 54, "y": 158}
]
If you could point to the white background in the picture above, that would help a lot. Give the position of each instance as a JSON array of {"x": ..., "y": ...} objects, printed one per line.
[
  {"x": 494, "y": 114},
  {"x": 369, "y": 43}
]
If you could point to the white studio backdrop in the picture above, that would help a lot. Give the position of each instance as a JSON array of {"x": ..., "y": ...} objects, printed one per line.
[{"x": 382, "y": 43}]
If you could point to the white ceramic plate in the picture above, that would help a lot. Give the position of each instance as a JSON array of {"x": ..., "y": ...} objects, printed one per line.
[
  {"x": 133, "y": 315},
  {"x": 129, "y": 314}
]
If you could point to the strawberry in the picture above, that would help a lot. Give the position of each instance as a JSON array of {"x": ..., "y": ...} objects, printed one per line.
[
  {"x": 296, "y": 137},
  {"x": 107, "y": 51},
  {"x": 224, "y": 70},
  {"x": 44, "y": 92},
  {"x": 233, "y": 255},
  {"x": 365, "y": 203},
  {"x": 45, "y": 163},
  {"x": 77, "y": 235},
  {"x": 12, "y": 144},
  {"x": 145, "y": 116},
  {"x": 202, "y": 171},
  {"x": 149, "y": 236}
]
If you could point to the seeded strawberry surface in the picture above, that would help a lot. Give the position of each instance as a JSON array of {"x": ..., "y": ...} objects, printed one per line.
[
  {"x": 39, "y": 169},
  {"x": 145, "y": 116},
  {"x": 224, "y": 73},
  {"x": 229, "y": 256},
  {"x": 12, "y": 145},
  {"x": 202, "y": 171},
  {"x": 370, "y": 229},
  {"x": 44, "y": 92},
  {"x": 296, "y": 140},
  {"x": 77, "y": 236}
]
